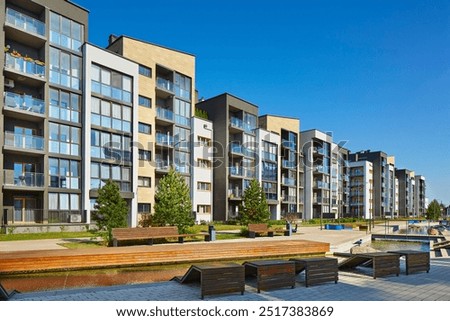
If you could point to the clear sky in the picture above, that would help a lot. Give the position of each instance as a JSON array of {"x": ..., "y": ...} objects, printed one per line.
[{"x": 376, "y": 73}]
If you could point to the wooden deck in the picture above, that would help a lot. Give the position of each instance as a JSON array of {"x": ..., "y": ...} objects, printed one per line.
[{"x": 52, "y": 260}]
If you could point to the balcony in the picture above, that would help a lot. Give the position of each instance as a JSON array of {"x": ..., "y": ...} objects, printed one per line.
[
  {"x": 321, "y": 169},
  {"x": 288, "y": 144},
  {"x": 23, "y": 141},
  {"x": 321, "y": 185},
  {"x": 319, "y": 151},
  {"x": 289, "y": 164},
  {"x": 27, "y": 66},
  {"x": 24, "y": 103},
  {"x": 183, "y": 121},
  {"x": 236, "y": 171},
  {"x": 289, "y": 199},
  {"x": 162, "y": 165},
  {"x": 165, "y": 114},
  {"x": 25, "y": 180},
  {"x": 237, "y": 148},
  {"x": 165, "y": 84},
  {"x": 240, "y": 124},
  {"x": 165, "y": 140},
  {"x": 235, "y": 193},
  {"x": 288, "y": 181},
  {"x": 24, "y": 22},
  {"x": 269, "y": 156},
  {"x": 320, "y": 200}
]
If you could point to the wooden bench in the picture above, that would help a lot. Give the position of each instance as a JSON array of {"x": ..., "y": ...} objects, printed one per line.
[
  {"x": 416, "y": 261},
  {"x": 382, "y": 263},
  {"x": 216, "y": 278},
  {"x": 317, "y": 269},
  {"x": 262, "y": 229},
  {"x": 271, "y": 274},
  {"x": 150, "y": 233}
]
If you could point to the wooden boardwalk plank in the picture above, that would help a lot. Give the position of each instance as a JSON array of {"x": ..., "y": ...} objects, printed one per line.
[{"x": 23, "y": 261}]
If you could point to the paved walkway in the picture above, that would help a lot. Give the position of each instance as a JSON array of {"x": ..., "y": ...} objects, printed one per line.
[{"x": 433, "y": 286}]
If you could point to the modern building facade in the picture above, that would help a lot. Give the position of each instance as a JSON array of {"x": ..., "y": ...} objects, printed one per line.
[
  {"x": 41, "y": 122},
  {"x": 407, "y": 191},
  {"x": 290, "y": 164},
  {"x": 383, "y": 181},
  {"x": 361, "y": 189},
  {"x": 326, "y": 176},
  {"x": 235, "y": 153},
  {"x": 419, "y": 197},
  {"x": 166, "y": 99}
]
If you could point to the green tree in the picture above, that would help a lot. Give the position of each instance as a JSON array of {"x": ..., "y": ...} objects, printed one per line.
[
  {"x": 173, "y": 202},
  {"x": 254, "y": 207},
  {"x": 434, "y": 210},
  {"x": 111, "y": 210}
]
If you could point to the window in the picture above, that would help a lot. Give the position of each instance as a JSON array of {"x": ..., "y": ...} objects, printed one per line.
[
  {"x": 66, "y": 33},
  {"x": 145, "y": 128},
  {"x": 65, "y": 105},
  {"x": 110, "y": 115},
  {"x": 182, "y": 86},
  {"x": 144, "y": 181},
  {"x": 145, "y": 71},
  {"x": 269, "y": 171},
  {"x": 101, "y": 173},
  {"x": 181, "y": 162},
  {"x": 111, "y": 84},
  {"x": 144, "y": 208},
  {"x": 203, "y": 163},
  {"x": 64, "y": 173},
  {"x": 204, "y": 209},
  {"x": 182, "y": 111},
  {"x": 181, "y": 138},
  {"x": 144, "y": 101},
  {"x": 65, "y": 69},
  {"x": 63, "y": 201},
  {"x": 110, "y": 146},
  {"x": 203, "y": 186},
  {"x": 145, "y": 155},
  {"x": 64, "y": 139},
  {"x": 203, "y": 141}
]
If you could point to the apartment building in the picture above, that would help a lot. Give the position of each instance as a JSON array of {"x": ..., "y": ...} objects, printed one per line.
[
  {"x": 419, "y": 198},
  {"x": 406, "y": 188},
  {"x": 361, "y": 189},
  {"x": 235, "y": 152},
  {"x": 110, "y": 120},
  {"x": 166, "y": 99},
  {"x": 41, "y": 122},
  {"x": 290, "y": 164},
  {"x": 383, "y": 181},
  {"x": 268, "y": 169},
  {"x": 202, "y": 170},
  {"x": 326, "y": 176}
]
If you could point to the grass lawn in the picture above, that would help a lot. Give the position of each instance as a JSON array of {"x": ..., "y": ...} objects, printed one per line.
[{"x": 43, "y": 236}]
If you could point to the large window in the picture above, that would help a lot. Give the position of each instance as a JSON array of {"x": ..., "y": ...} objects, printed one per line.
[
  {"x": 182, "y": 86},
  {"x": 64, "y": 139},
  {"x": 269, "y": 171},
  {"x": 110, "y": 115},
  {"x": 182, "y": 111},
  {"x": 145, "y": 102},
  {"x": 111, "y": 84},
  {"x": 101, "y": 173},
  {"x": 65, "y": 32},
  {"x": 63, "y": 201},
  {"x": 145, "y": 128},
  {"x": 145, "y": 155},
  {"x": 182, "y": 162},
  {"x": 144, "y": 181},
  {"x": 64, "y": 173},
  {"x": 64, "y": 105},
  {"x": 181, "y": 138},
  {"x": 65, "y": 69},
  {"x": 110, "y": 146}
]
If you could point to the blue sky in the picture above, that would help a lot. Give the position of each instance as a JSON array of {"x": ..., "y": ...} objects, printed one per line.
[{"x": 376, "y": 73}]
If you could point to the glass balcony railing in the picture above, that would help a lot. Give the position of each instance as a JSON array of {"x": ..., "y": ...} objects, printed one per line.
[
  {"x": 236, "y": 148},
  {"x": 24, "y": 22},
  {"x": 289, "y": 144},
  {"x": 24, "y": 102},
  {"x": 24, "y": 141},
  {"x": 289, "y": 164},
  {"x": 24, "y": 65},
  {"x": 163, "y": 139},
  {"x": 236, "y": 122},
  {"x": 320, "y": 184},
  {"x": 290, "y": 199},
  {"x": 162, "y": 165},
  {"x": 235, "y": 193},
  {"x": 321, "y": 169},
  {"x": 269, "y": 156},
  {"x": 236, "y": 171},
  {"x": 164, "y": 113},
  {"x": 164, "y": 84},
  {"x": 288, "y": 181},
  {"x": 183, "y": 121},
  {"x": 26, "y": 179}
]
